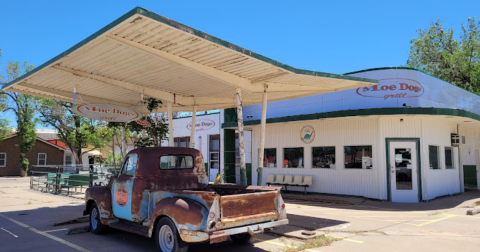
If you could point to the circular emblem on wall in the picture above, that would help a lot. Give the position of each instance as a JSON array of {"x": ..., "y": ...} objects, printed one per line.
[
  {"x": 307, "y": 134},
  {"x": 121, "y": 196}
]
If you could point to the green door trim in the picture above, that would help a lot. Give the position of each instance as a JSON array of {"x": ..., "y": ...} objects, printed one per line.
[{"x": 419, "y": 165}]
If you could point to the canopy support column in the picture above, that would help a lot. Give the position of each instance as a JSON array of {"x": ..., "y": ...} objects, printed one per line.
[
  {"x": 124, "y": 140},
  {"x": 241, "y": 145},
  {"x": 261, "y": 155},
  {"x": 192, "y": 128},
  {"x": 170, "y": 124}
]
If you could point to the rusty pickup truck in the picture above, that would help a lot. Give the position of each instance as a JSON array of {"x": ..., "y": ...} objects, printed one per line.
[{"x": 163, "y": 192}]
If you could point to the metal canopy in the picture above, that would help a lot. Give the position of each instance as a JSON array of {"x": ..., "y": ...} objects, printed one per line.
[{"x": 143, "y": 52}]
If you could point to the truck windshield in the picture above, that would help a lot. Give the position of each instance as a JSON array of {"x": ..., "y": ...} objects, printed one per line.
[
  {"x": 130, "y": 165},
  {"x": 176, "y": 162}
]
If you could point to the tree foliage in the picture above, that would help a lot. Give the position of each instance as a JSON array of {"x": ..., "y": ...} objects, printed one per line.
[
  {"x": 80, "y": 134},
  {"x": 22, "y": 106},
  {"x": 439, "y": 52},
  {"x": 154, "y": 134}
]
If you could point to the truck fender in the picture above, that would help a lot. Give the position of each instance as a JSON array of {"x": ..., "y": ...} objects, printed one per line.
[
  {"x": 103, "y": 197},
  {"x": 190, "y": 217}
]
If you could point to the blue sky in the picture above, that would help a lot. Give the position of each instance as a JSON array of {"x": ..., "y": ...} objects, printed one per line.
[{"x": 327, "y": 36}]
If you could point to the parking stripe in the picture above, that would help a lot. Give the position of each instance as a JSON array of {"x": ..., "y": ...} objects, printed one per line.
[
  {"x": 46, "y": 234},
  {"x": 284, "y": 245},
  {"x": 346, "y": 239}
]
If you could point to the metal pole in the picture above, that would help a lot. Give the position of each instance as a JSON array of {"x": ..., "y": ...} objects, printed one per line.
[
  {"x": 124, "y": 140},
  {"x": 170, "y": 124},
  {"x": 241, "y": 147},
  {"x": 263, "y": 121},
  {"x": 192, "y": 128}
]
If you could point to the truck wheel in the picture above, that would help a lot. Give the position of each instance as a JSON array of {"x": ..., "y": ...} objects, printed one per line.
[
  {"x": 167, "y": 238},
  {"x": 244, "y": 238},
  {"x": 96, "y": 225}
]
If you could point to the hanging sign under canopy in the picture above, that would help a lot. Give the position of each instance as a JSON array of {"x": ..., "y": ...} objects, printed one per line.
[{"x": 107, "y": 112}]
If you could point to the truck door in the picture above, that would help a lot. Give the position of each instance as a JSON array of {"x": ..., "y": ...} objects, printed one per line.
[{"x": 122, "y": 189}]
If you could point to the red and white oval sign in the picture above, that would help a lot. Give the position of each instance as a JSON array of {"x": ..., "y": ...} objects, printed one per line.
[
  {"x": 107, "y": 112},
  {"x": 393, "y": 88},
  {"x": 201, "y": 125}
]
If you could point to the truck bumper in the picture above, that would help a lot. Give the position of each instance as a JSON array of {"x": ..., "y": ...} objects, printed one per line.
[{"x": 221, "y": 235}]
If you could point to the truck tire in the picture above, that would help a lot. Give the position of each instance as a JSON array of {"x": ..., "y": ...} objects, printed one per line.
[
  {"x": 167, "y": 238},
  {"x": 244, "y": 238},
  {"x": 96, "y": 225}
]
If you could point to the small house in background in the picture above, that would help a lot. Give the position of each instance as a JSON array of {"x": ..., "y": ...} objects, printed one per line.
[{"x": 47, "y": 150}]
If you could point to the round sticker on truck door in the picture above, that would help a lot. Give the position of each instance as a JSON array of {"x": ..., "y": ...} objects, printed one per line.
[{"x": 121, "y": 196}]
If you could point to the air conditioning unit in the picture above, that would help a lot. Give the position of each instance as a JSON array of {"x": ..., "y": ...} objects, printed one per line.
[{"x": 458, "y": 140}]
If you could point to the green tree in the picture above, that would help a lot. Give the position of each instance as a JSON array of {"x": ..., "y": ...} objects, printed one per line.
[
  {"x": 157, "y": 129},
  {"x": 80, "y": 134},
  {"x": 4, "y": 130},
  {"x": 437, "y": 51},
  {"x": 23, "y": 107}
]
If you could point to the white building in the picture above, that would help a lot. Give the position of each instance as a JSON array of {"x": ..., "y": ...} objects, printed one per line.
[
  {"x": 391, "y": 142},
  {"x": 207, "y": 139}
]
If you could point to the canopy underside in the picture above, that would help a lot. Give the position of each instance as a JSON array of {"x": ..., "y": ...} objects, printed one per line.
[{"x": 145, "y": 53}]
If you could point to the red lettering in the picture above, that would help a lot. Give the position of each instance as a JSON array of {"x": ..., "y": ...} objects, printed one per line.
[
  {"x": 393, "y": 87},
  {"x": 403, "y": 86}
]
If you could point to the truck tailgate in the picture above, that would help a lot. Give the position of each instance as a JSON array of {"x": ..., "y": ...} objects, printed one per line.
[{"x": 244, "y": 209}]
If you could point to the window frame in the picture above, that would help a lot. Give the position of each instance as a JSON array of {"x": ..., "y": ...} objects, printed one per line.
[
  {"x": 303, "y": 157},
  {"x": 72, "y": 160},
  {"x": 357, "y": 168},
  {"x": 176, "y": 141},
  {"x": 452, "y": 167},
  {"x": 334, "y": 156},
  {"x": 439, "y": 164},
  {"x": 5, "y": 159},
  {"x": 276, "y": 159},
  {"x": 125, "y": 161},
  {"x": 38, "y": 158},
  {"x": 185, "y": 155}
]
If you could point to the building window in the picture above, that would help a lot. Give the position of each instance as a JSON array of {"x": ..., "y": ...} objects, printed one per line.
[
  {"x": 42, "y": 159},
  {"x": 358, "y": 157},
  {"x": 270, "y": 158},
  {"x": 448, "y": 158},
  {"x": 3, "y": 159},
  {"x": 182, "y": 142},
  {"x": 293, "y": 158},
  {"x": 433, "y": 157},
  {"x": 323, "y": 157},
  {"x": 68, "y": 160}
]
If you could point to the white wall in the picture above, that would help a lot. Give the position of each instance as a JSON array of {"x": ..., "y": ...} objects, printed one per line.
[
  {"x": 438, "y": 182},
  {"x": 329, "y": 132},
  {"x": 372, "y": 130}
]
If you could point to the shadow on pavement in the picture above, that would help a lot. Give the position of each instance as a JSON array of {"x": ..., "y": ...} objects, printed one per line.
[
  {"x": 466, "y": 199},
  {"x": 44, "y": 218}
]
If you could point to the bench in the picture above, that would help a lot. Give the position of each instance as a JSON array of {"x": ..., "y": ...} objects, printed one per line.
[{"x": 288, "y": 180}]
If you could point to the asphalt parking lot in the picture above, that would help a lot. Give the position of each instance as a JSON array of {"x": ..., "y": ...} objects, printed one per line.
[{"x": 27, "y": 221}]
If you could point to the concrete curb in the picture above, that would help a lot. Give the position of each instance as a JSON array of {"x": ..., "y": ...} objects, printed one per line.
[
  {"x": 77, "y": 230},
  {"x": 473, "y": 211}
]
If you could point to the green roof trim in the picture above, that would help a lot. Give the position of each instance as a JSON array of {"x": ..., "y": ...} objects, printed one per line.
[
  {"x": 180, "y": 26},
  {"x": 363, "y": 112}
]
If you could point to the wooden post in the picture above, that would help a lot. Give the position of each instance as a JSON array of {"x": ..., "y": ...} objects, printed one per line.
[
  {"x": 192, "y": 128},
  {"x": 170, "y": 124},
  {"x": 263, "y": 121},
  {"x": 241, "y": 147}
]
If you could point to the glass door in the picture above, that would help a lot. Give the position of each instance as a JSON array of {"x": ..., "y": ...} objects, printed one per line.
[
  {"x": 213, "y": 156},
  {"x": 403, "y": 171}
]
